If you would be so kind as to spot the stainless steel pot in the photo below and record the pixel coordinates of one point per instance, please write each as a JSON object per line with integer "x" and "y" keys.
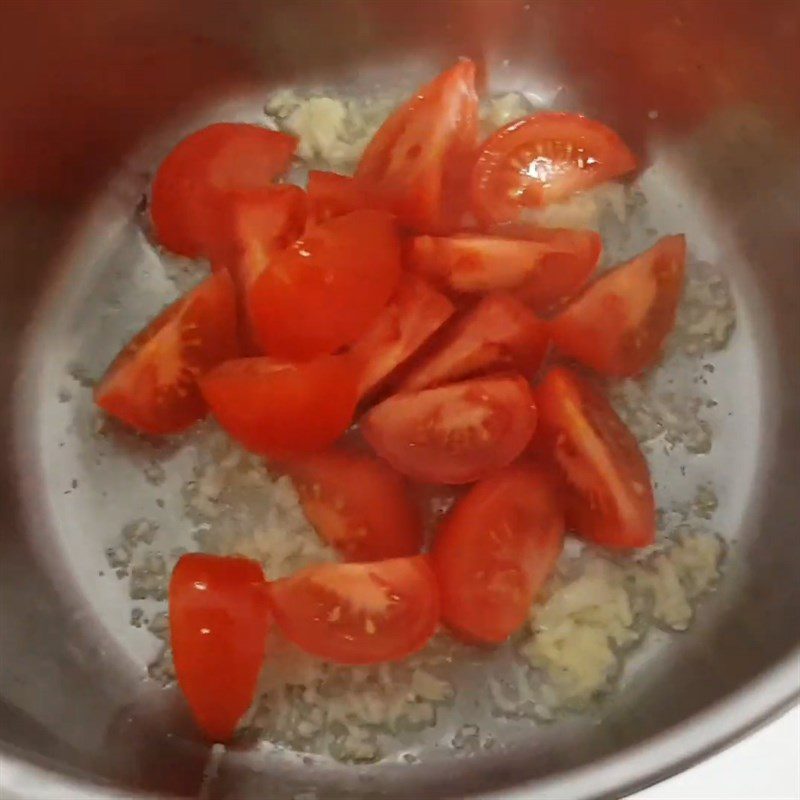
{"x": 85, "y": 81}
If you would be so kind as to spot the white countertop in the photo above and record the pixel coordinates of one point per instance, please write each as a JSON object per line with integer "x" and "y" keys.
{"x": 765, "y": 766}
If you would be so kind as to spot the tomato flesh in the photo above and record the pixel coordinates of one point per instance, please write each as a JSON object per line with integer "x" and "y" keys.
{"x": 495, "y": 550}
{"x": 191, "y": 186}
{"x": 453, "y": 434}
{"x": 499, "y": 333}
{"x": 541, "y": 266}
{"x": 359, "y": 613}
{"x": 618, "y": 326}
{"x": 324, "y": 291}
{"x": 152, "y": 384}
{"x": 542, "y": 159}
{"x": 332, "y": 195}
{"x": 414, "y": 314}
{"x": 219, "y": 616}
{"x": 281, "y": 409}
{"x": 418, "y": 161}
{"x": 358, "y": 504}
{"x": 610, "y": 496}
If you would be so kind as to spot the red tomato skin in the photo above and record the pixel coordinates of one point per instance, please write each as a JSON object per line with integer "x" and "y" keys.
{"x": 410, "y": 319}
{"x": 280, "y": 409}
{"x": 499, "y": 333}
{"x": 332, "y": 195}
{"x": 420, "y": 435}
{"x": 305, "y": 608}
{"x": 619, "y": 324}
{"x": 219, "y": 614}
{"x": 323, "y": 292}
{"x": 542, "y": 267}
{"x": 258, "y": 224}
{"x": 609, "y": 492}
{"x": 418, "y": 161}
{"x": 187, "y": 339}
{"x": 576, "y": 153}
{"x": 572, "y": 261}
{"x": 189, "y": 189}
{"x": 358, "y": 504}
{"x": 495, "y": 550}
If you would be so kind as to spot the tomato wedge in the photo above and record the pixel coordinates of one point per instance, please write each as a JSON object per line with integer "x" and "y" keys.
{"x": 495, "y": 550}
{"x": 332, "y": 195}
{"x": 619, "y": 324}
{"x": 219, "y": 617}
{"x": 453, "y": 434}
{"x": 261, "y": 223}
{"x": 190, "y": 186}
{"x": 359, "y": 613}
{"x": 324, "y": 291}
{"x": 542, "y": 159}
{"x": 499, "y": 333}
{"x": 610, "y": 497}
{"x": 542, "y": 266}
{"x": 358, "y": 504}
{"x": 415, "y": 313}
{"x": 152, "y": 384}
{"x": 281, "y": 409}
{"x": 418, "y": 161}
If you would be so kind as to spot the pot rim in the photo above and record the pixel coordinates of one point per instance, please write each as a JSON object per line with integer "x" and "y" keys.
{"x": 634, "y": 768}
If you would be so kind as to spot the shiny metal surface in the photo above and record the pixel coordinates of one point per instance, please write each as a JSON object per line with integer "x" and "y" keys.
{"x": 91, "y": 94}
